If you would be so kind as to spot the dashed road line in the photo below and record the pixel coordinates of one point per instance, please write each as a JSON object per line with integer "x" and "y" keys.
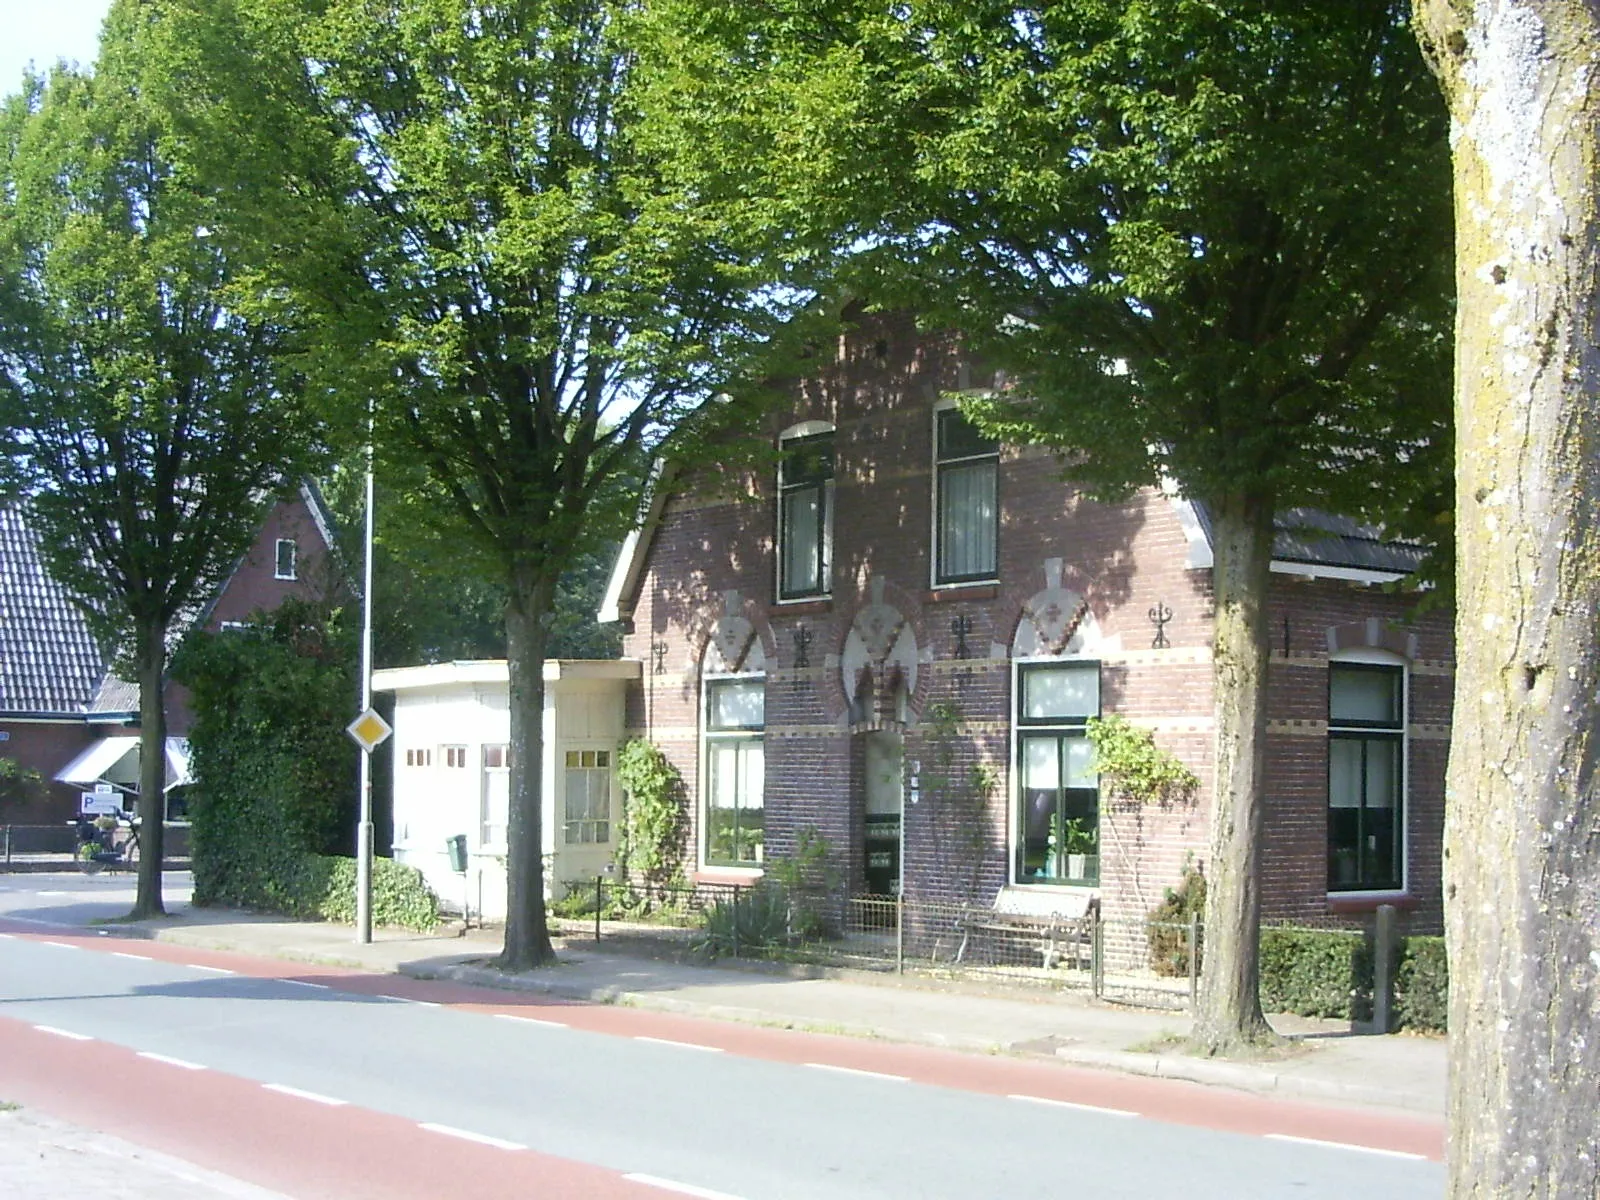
{"x": 466, "y": 1135}
{"x": 210, "y": 970}
{"x": 423, "y": 1003}
{"x": 1089, "y": 1108}
{"x": 681, "y": 1045}
{"x": 549, "y": 1024}
{"x": 816, "y": 1066}
{"x": 66, "y": 1033}
{"x": 322, "y": 987}
{"x": 59, "y": 945}
{"x": 1305, "y": 1141}
{"x": 170, "y": 1061}
{"x": 283, "y": 1089}
{"x": 125, "y": 954}
{"x": 683, "y": 1189}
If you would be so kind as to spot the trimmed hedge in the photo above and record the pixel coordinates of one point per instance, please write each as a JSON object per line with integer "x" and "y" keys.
{"x": 1422, "y": 985}
{"x": 1316, "y": 973}
{"x": 1322, "y": 973}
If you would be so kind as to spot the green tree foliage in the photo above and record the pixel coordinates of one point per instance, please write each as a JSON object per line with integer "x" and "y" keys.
{"x": 20, "y": 787}
{"x": 551, "y": 305}
{"x": 274, "y": 773}
{"x": 1207, "y": 242}
{"x": 153, "y": 386}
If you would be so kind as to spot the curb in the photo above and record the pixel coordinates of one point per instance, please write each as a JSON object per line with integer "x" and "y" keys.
{"x": 1243, "y": 1078}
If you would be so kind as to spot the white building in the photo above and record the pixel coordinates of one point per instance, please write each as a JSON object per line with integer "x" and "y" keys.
{"x": 452, "y": 760}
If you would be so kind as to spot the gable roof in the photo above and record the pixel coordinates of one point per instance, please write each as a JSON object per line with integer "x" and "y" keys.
{"x": 50, "y": 662}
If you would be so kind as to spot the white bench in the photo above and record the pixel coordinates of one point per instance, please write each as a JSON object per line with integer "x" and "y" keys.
{"x": 1060, "y": 920}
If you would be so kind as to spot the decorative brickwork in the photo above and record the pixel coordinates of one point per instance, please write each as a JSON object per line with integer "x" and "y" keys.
{"x": 1076, "y": 578}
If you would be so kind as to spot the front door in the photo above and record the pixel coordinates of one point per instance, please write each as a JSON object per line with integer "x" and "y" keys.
{"x": 885, "y": 758}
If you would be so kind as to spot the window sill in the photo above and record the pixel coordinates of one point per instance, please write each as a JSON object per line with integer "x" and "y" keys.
{"x": 734, "y": 875}
{"x": 964, "y": 591}
{"x": 1343, "y": 903}
{"x": 800, "y": 607}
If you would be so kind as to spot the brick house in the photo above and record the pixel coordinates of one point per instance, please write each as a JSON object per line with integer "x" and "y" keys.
{"x": 63, "y": 710}
{"x": 836, "y": 644}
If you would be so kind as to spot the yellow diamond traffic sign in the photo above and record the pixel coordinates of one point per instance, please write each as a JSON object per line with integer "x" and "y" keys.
{"x": 369, "y": 730}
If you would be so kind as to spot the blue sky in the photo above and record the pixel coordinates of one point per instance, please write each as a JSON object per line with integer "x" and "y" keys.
{"x": 41, "y": 31}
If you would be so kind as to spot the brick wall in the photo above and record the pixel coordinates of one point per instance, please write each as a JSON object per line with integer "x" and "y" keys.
{"x": 1124, "y": 560}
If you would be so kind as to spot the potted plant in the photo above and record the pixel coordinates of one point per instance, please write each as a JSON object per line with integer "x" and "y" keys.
{"x": 1081, "y": 843}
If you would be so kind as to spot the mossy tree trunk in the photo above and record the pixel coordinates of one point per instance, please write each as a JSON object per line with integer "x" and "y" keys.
{"x": 151, "y": 653}
{"x": 1229, "y": 1016}
{"x": 527, "y": 937}
{"x": 1522, "y": 829}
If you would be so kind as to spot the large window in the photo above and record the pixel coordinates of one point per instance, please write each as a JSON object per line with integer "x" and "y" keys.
{"x": 967, "y": 513}
{"x": 805, "y": 516}
{"x": 735, "y": 769}
{"x": 1058, "y": 825}
{"x": 1366, "y": 777}
{"x": 588, "y": 807}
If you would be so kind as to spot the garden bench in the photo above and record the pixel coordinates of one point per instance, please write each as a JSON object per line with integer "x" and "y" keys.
{"x": 1059, "y": 921}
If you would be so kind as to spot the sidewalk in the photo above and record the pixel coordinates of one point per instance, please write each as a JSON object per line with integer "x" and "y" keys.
{"x": 1326, "y": 1063}
{"x": 44, "y": 1159}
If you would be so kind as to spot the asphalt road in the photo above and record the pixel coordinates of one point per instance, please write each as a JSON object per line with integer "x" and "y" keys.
{"x": 324, "y": 1082}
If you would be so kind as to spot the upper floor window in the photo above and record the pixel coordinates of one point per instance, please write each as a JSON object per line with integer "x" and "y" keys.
{"x": 1058, "y": 825}
{"x": 284, "y": 563}
{"x": 1366, "y": 777}
{"x": 805, "y": 516}
{"x": 966, "y": 518}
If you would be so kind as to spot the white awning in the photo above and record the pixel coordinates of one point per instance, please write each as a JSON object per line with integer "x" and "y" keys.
{"x": 116, "y": 760}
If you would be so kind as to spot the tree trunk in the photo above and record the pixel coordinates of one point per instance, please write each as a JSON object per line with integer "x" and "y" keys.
{"x": 1229, "y": 1014}
{"x": 527, "y": 940}
{"x": 151, "y": 652}
{"x": 1522, "y": 827}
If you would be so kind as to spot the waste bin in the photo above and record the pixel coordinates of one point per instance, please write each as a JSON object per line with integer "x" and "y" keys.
{"x": 458, "y": 853}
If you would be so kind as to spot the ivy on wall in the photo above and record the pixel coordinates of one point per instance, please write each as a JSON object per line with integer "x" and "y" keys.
{"x": 655, "y": 815}
{"x": 274, "y": 797}
{"x": 1138, "y": 768}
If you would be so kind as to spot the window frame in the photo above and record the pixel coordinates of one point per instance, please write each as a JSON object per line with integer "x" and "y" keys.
{"x": 1397, "y": 733}
{"x": 294, "y": 559}
{"x": 487, "y": 770}
{"x": 940, "y": 577}
{"x": 744, "y": 735}
{"x": 1060, "y": 729}
{"x": 605, "y": 765}
{"x": 789, "y": 441}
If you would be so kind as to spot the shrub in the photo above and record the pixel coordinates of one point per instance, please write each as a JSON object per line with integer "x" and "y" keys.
{"x": 1422, "y": 999}
{"x": 1316, "y": 973}
{"x": 754, "y": 920}
{"x": 1169, "y": 923}
{"x": 322, "y": 887}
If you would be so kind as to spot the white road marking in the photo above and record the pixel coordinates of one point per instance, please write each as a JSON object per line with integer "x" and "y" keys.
{"x": 212, "y": 970}
{"x": 535, "y": 1021}
{"x": 1305, "y": 1141}
{"x": 483, "y": 1139}
{"x": 59, "y": 945}
{"x": 52, "y": 893}
{"x": 315, "y": 1097}
{"x": 856, "y": 1071}
{"x": 170, "y": 1061}
{"x": 8, "y": 936}
{"x": 425, "y": 1003}
{"x": 66, "y": 1033}
{"x": 302, "y": 983}
{"x": 125, "y": 954}
{"x": 680, "y": 1045}
{"x": 1093, "y": 1108}
{"x": 683, "y": 1189}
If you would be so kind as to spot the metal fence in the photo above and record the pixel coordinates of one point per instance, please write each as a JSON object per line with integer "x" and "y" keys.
{"x": 1136, "y": 962}
{"x": 57, "y": 845}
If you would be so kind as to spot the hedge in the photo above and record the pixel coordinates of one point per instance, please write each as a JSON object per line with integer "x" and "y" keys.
{"x": 1320, "y": 973}
{"x": 323, "y": 887}
{"x": 1316, "y": 973}
{"x": 1422, "y": 999}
